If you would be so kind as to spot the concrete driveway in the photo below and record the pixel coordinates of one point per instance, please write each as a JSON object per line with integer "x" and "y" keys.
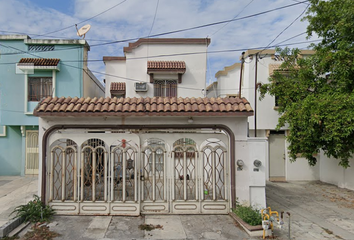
{"x": 172, "y": 227}
{"x": 317, "y": 210}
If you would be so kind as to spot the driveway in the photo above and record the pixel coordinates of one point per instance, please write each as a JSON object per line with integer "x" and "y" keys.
{"x": 317, "y": 210}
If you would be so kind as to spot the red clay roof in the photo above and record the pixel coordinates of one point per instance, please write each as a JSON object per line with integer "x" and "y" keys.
{"x": 166, "y": 66}
{"x": 40, "y": 61}
{"x": 158, "y": 106}
{"x": 117, "y": 86}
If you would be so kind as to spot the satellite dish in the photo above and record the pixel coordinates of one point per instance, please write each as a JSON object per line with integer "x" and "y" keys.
{"x": 83, "y": 30}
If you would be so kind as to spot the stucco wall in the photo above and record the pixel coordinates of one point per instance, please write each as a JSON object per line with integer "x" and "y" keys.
{"x": 10, "y": 153}
{"x": 250, "y": 185}
{"x": 331, "y": 172}
{"x": 134, "y": 69}
{"x": 12, "y": 83}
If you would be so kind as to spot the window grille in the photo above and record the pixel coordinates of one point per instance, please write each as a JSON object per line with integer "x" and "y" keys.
{"x": 39, "y": 88}
{"x": 165, "y": 88}
{"x": 40, "y": 48}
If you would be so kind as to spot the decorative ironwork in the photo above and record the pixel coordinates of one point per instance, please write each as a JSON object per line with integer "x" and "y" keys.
{"x": 94, "y": 171}
{"x": 184, "y": 168}
{"x": 63, "y": 167}
{"x": 220, "y": 155}
{"x": 207, "y": 174}
{"x": 214, "y": 172}
{"x": 40, "y": 48}
{"x": 117, "y": 161}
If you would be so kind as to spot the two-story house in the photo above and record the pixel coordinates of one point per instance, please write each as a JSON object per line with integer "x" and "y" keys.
{"x": 154, "y": 144}
{"x": 31, "y": 70}
{"x": 256, "y": 70}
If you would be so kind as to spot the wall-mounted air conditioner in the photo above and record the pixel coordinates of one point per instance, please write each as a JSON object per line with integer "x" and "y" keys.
{"x": 141, "y": 86}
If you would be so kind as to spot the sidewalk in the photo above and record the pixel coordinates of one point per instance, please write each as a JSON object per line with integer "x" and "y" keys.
{"x": 318, "y": 210}
{"x": 15, "y": 191}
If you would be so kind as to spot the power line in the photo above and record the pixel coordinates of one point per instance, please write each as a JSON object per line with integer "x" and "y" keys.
{"x": 187, "y": 29}
{"x": 84, "y": 20}
{"x": 291, "y": 38}
{"x": 178, "y": 54}
{"x": 233, "y": 18}
{"x": 204, "y": 25}
{"x": 286, "y": 28}
{"x": 153, "y": 21}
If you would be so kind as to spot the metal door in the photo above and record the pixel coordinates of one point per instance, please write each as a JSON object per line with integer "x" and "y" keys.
{"x": 32, "y": 154}
{"x": 185, "y": 191}
{"x": 214, "y": 179}
{"x": 124, "y": 198}
{"x": 153, "y": 179}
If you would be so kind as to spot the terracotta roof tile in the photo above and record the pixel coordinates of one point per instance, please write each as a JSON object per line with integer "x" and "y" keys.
{"x": 166, "y": 66}
{"x": 117, "y": 86}
{"x": 142, "y": 106}
{"x": 40, "y": 61}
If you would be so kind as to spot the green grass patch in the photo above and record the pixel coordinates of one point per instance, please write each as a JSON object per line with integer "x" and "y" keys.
{"x": 248, "y": 214}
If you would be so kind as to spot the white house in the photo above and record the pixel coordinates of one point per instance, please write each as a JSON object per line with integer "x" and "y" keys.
{"x": 265, "y": 118}
{"x": 155, "y": 144}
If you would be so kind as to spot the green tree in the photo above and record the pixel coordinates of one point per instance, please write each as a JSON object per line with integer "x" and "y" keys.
{"x": 315, "y": 94}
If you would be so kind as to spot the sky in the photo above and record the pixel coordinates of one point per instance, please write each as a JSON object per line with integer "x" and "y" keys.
{"x": 117, "y": 20}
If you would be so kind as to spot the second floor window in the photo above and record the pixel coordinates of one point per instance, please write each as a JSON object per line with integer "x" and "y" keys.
{"x": 165, "y": 88}
{"x": 39, "y": 88}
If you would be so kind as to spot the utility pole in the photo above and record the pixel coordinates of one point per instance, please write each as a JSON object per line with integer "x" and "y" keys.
{"x": 242, "y": 61}
{"x": 255, "y": 95}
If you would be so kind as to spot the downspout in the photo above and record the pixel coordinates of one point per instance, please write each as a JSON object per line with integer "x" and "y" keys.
{"x": 242, "y": 61}
{"x": 57, "y": 127}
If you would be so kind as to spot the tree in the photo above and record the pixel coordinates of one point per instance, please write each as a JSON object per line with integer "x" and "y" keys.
{"x": 315, "y": 94}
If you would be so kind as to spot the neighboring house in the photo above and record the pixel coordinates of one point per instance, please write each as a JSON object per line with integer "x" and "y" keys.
{"x": 265, "y": 119}
{"x": 154, "y": 144}
{"x": 33, "y": 69}
{"x": 161, "y": 67}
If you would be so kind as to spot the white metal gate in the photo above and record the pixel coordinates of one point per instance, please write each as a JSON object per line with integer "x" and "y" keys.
{"x": 119, "y": 179}
{"x": 32, "y": 155}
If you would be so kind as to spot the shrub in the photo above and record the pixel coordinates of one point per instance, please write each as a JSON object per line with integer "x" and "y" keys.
{"x": 249, "y": 214}
{"x": 34, "y": 211}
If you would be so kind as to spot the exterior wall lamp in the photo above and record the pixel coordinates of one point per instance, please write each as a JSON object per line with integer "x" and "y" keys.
{"x": 190, "y": 120}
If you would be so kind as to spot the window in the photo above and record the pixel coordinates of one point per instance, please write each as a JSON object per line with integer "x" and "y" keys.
{"x": 39, "y": 88}
{"x": 165, "y": 88}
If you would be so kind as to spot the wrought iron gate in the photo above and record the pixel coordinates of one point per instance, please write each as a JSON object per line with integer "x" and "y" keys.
{"x": 32, "y": 154}
{"x": 96, "y": 178}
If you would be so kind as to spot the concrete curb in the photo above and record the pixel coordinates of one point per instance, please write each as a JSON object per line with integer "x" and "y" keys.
{"x": 253, "y": 231}
{"x": 10, "y": 226}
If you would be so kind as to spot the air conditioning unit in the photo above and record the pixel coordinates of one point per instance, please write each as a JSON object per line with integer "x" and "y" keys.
{"x": 141, "y": 86}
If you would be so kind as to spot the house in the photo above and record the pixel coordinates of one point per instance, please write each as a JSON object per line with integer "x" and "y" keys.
{"x": 33, "y": 69}
{"x": 264, "y": 121}
{"x": 154, "y": 144}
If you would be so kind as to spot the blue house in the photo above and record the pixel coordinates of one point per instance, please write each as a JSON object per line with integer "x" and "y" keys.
{"x": 30, "y": 70}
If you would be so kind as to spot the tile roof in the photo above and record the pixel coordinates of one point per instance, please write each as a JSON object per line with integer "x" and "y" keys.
{"x": 158, "y": 106}
{"x": 117, "y": 86}
{"x": 175, "y": 66}
{"x": 40, "y": 61}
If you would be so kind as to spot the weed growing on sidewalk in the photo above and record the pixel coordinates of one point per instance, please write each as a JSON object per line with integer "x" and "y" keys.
{"x": 40, "y": 232}
{"x": 34, "y": 211}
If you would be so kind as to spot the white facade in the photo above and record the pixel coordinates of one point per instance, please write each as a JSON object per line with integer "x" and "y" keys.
{"x": 132, "y": 68}
{"x": 245, "y": 183}
{"x": 279, "y": 166}
{"x": 249, "y": 181}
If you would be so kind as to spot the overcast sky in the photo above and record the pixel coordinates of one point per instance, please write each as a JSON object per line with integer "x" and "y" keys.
{"x": 128, "y": 19}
